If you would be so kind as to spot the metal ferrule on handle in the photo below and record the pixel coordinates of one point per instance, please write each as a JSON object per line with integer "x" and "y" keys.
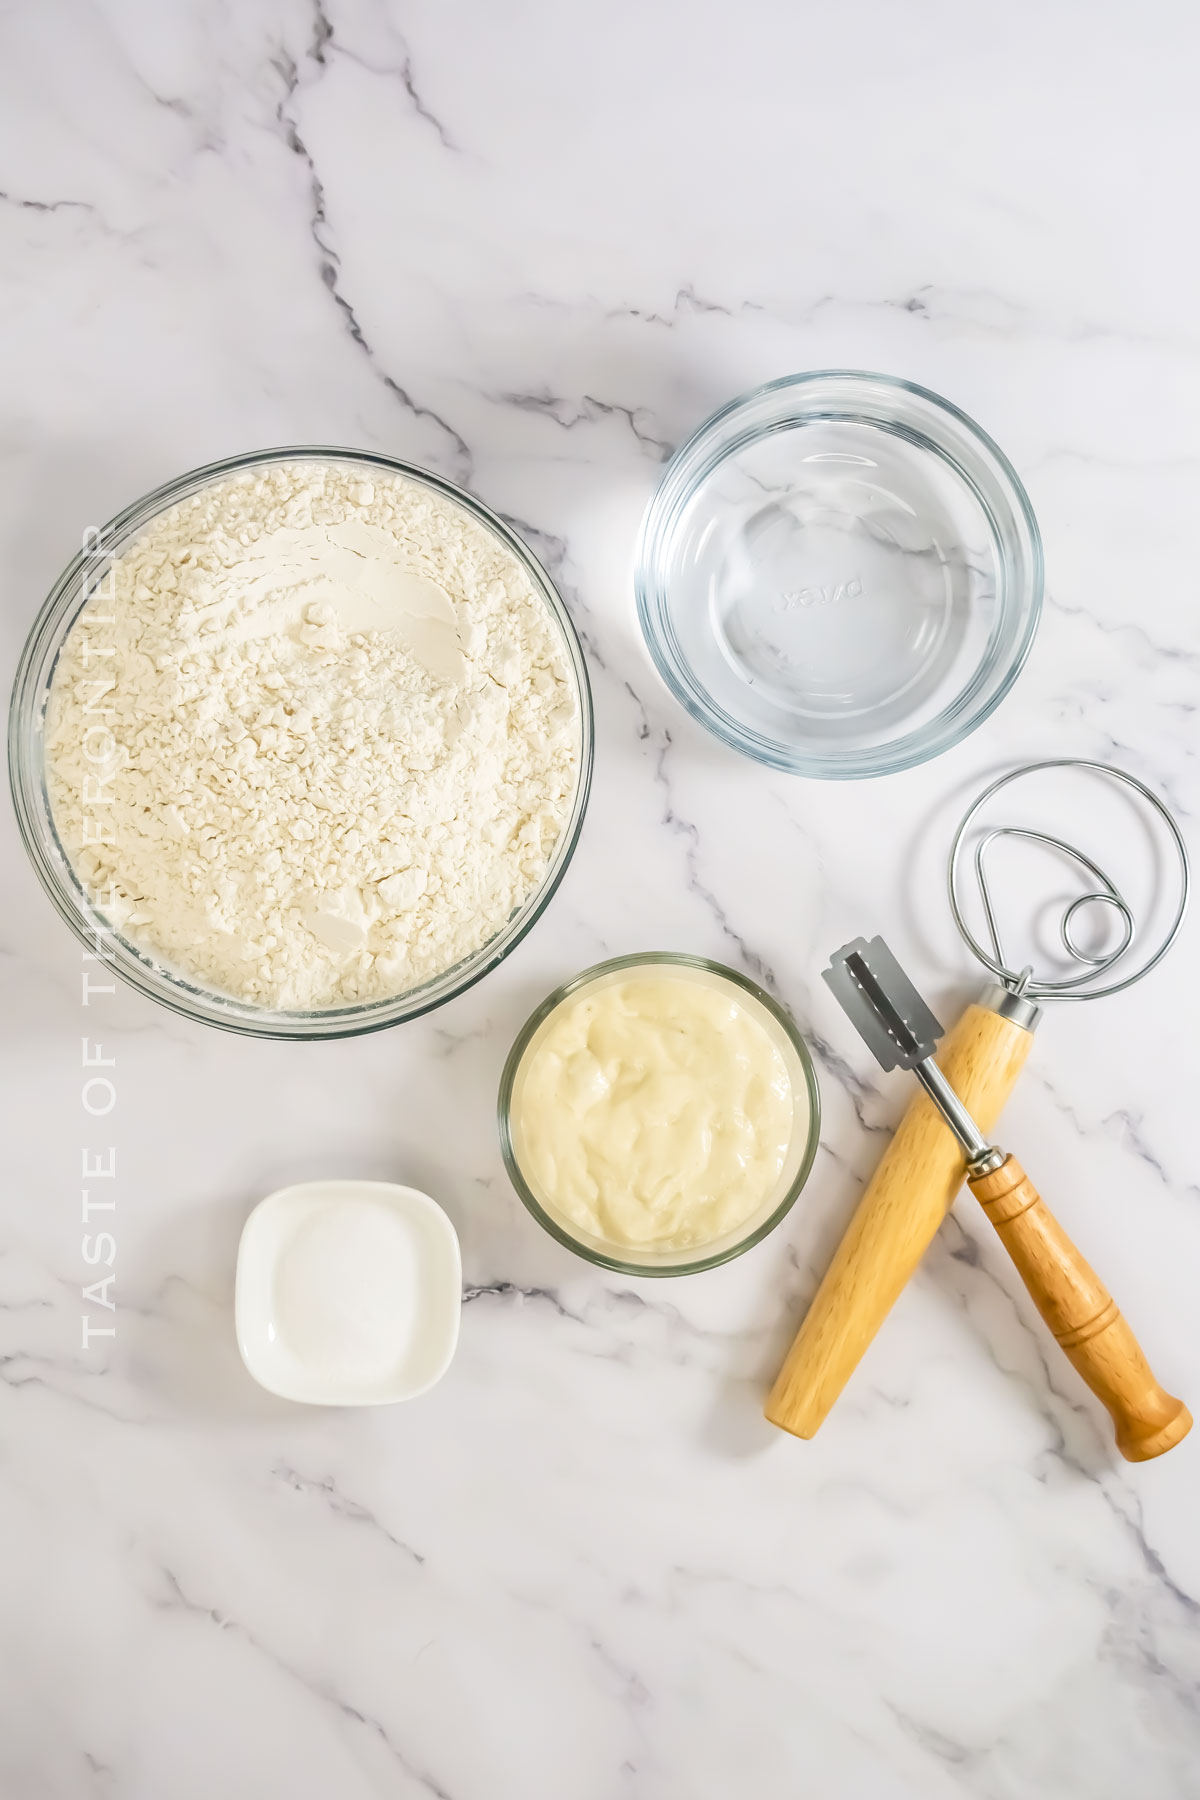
{"x": 976, "y": 1148}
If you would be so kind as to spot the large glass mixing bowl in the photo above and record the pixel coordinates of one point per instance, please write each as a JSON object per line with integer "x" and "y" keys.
{"x": 840, "y": 574}
{"x": 26, "y": 761}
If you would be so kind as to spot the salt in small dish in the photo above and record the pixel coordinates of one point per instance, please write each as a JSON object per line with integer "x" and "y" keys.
{"x": 348, "y": 1293}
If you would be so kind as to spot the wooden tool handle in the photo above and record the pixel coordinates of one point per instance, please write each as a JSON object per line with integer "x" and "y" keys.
{"x": 904, "y": 1203}
{"x": 1082, "y": 1314}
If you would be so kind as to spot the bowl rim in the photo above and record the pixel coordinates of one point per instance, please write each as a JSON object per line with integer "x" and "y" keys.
{"x": 956, "y": 720}
{"x": 26, "y": 767}
{"x": 671, "y": 959}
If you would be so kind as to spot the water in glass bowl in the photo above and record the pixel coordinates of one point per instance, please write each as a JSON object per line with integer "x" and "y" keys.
{"x": 833, "y": 581}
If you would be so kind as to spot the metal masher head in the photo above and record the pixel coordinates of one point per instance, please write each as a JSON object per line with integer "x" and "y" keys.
{"x": 901, "y": 1033}
{"x": 882, "y": 1004}
{"x": 1096, "y": 974}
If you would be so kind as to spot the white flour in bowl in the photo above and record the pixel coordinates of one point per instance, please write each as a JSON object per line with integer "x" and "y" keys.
{"x": 315, "y": 738}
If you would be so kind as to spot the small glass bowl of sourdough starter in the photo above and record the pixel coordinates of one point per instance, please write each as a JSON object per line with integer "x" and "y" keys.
{"x": 659, "y": 1114}
{"x": 840, "y": 575}
{"x": 308, "y": 735}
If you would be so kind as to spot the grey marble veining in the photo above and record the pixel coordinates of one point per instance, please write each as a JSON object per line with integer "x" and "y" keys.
{"x": 532, "y": 246}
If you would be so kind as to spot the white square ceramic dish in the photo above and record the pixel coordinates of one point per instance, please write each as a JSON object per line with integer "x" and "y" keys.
{"x": 348, "y": 1293}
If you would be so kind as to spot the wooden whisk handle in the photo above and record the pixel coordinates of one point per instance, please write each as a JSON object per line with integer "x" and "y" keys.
{"x": 1082, "y": 1314}
{"x": 901, "y": 1207}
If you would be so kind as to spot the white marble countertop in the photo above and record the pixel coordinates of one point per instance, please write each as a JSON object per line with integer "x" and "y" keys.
{"x": 532, "y": 246}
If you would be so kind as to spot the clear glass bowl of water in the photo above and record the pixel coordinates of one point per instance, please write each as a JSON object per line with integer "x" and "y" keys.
{"x": 840, "y": 574}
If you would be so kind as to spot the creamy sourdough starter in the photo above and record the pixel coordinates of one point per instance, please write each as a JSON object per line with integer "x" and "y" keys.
{"x": 315, "y": 737}
{"x": 655, "y": 1109}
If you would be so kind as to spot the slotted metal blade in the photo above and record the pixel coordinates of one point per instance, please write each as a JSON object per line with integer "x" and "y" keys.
{"x": 882, "y": 1004}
